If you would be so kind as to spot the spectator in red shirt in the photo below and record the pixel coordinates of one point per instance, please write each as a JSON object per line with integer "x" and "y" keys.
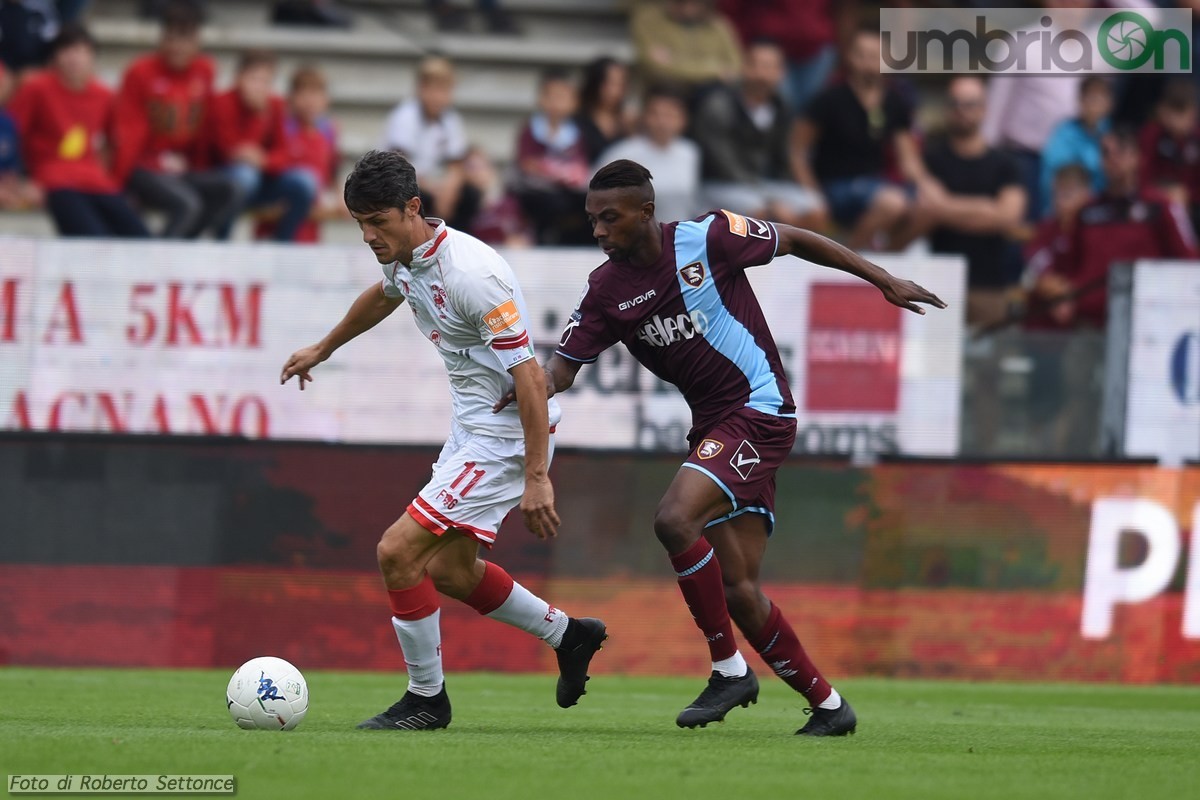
{"x": 309, "y": 147}
{"x": 1170, "y": 144}
{"x": 1124, "y": 223}
{"x": 247, "y": 140}
{"x": 63, "y": 115}
{"x": 160, "y": 114}
{"x": 1049, "y": 293}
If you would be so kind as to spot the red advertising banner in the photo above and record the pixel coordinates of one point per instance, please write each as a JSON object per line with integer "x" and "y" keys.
{"x": 205, "y": 553}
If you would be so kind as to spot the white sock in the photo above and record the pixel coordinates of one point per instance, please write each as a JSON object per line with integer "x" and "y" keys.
{"x": 833, "y": 701}
{"x": 525, "y": 610}
{"x": 732, "y": 667}
{"x": 421, "y": 641}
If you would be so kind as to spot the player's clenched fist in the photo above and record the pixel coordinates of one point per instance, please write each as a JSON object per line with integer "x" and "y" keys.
{"x": 537, "y": 506}
{"x": 301, "y": 362}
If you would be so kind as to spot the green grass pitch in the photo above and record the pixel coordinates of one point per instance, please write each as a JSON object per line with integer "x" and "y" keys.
{"x": 916, "y": 739}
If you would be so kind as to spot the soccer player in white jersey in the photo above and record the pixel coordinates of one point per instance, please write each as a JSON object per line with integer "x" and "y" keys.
{"x": 466, "y": 301}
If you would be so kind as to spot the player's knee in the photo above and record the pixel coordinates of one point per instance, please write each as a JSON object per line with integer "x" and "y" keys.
{"x": 675, "y": 531}
{"x": 396, "y": 562}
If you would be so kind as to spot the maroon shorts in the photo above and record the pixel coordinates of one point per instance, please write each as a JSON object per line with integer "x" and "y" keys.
{"x": 741, "y": 453}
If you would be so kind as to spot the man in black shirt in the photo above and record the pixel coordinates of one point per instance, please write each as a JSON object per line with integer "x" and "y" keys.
{"x": 842, "y": 144}
{"x": 971, "y": 202}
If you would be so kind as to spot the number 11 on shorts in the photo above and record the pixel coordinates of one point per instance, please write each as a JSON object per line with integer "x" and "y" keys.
{"x": 467, "y": 468}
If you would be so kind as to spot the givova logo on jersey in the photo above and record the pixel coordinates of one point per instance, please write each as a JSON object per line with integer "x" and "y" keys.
{"x": 660, "y": 331}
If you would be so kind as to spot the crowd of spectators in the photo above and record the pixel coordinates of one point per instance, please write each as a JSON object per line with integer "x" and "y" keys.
{"x": 773, "y": 108}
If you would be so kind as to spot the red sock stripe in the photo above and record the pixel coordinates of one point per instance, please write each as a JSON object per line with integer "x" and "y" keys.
{"x": 416, "y": 603}
{"x": 493, "y": 589}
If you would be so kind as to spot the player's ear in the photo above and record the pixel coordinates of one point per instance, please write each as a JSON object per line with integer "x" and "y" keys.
{"x": 413, "y": 207}
{"x": 647, "y": 211}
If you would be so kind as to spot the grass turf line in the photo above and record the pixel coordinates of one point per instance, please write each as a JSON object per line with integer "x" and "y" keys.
{"x": 916, "y": 739}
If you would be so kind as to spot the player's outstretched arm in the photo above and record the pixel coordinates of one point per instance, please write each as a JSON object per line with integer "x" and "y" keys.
{"x": 827, "y": 253}
{"x": 537, "y": 504}
{"x": 560, "y": 376}
{"x": 368, "y": 310}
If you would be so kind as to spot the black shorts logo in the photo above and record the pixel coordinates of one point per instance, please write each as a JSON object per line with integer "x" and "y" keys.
{"x": 744, "y": 459}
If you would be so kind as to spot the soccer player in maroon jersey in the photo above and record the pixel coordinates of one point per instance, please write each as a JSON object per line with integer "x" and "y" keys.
{"x": 676, "y": 294}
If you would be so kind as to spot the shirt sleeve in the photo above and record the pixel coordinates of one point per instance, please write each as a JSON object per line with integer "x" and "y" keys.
{"x": 588, "y": 332}
{"x": 491, "y": 303}
{"x": 744, "y": 241}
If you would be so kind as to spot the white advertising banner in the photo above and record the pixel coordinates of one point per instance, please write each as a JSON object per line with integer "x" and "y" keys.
{"x": 189, "y": 338}
{"x": 1162, "y": 413}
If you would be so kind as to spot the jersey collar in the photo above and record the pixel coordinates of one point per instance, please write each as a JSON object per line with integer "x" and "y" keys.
{"x": 426, "y": 254}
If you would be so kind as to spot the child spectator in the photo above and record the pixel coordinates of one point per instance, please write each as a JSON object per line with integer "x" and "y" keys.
{"x": 17, "y": 192}
{"x": 309, "y": 149}
{"x": 1124, "y": 223}
{"x": 552, "y": 166}
{"x": 430, "y": 133}
{"x": 246, "y": 138}
{"x": 1077, "y": 140}
{"x": 603, "y": 117}
{"x": 160, "y": 116}
{"x": 63, "y": 115}
{"x": 1048, "y": 302}
{"x": 1170, "y": 146}
{"x": 661, "y": 148}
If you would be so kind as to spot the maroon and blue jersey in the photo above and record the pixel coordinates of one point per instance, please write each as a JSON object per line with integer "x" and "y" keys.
{"x": 691, "y": 318}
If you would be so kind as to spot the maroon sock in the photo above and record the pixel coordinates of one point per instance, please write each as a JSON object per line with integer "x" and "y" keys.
{"x": 699, "y": 575}
{"x": 779, "y": 647}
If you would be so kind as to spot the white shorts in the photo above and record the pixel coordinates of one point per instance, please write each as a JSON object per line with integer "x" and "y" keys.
{"x": 476, "y": 481}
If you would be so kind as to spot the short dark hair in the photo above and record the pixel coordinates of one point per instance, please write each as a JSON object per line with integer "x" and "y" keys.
{"x": 665, "y": 91}
{"x": 1090, "y": 82}
{"x": 181, "y": 16}
{"x": 553, "y": 75}
{"x": 380, "y": 180}
{"x": 620, "y": 174}
{"x": 71, "y": 34}
{"x": 1124, "y": 135}
{"x": 256, "y": 58}
{"x": 1073, "y": 172}
{"x": 763, "y": 41}
{"x": 1179, "y": 95}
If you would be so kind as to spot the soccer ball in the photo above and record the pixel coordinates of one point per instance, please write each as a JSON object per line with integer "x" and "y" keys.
{"x": 267, "y": 693}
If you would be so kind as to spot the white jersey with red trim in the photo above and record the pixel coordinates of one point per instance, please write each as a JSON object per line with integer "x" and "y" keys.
{"x": 466, "y": 300}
